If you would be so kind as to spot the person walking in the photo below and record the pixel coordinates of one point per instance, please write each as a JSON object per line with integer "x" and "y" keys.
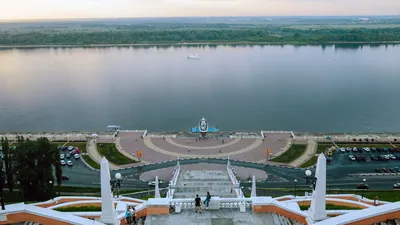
{"x": 133, "y": 213}
{"x": 128, "y": 216}
{"x": 208, "y": 198}
{"x": 197, "y": 202}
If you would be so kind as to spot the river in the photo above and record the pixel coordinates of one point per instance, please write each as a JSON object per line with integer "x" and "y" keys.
{"x": 241, "y": 88}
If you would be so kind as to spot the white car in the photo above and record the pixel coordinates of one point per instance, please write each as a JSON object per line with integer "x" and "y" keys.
{"x": 62, "y": 156}
{"x": 352, "y": 158}
{"x": 355, "y": 149}
{"x": 367, "y": 149}
{"x": 396, "y": 185}
{"x": 63, "y": 163}
{"x": 76, "y": 156}
{"x": 342, "y": 149}
{"x": 70, "y": 148}
{"x": 391, "y": 156}
{"x": 153, "y": 183}
{"x": 69, "y": 163}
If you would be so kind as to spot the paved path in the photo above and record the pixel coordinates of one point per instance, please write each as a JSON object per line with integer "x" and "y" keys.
{"x": 149, "y": 144}
{"x": 310, "y": 151}
{"x": 169, "y": 140}
{"x": 122, "y": 151}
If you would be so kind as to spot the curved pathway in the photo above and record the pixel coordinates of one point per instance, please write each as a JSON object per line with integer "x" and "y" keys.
{"x": 169, "y": 140}
{"x": 310, "y": 151}
{"x": 150, "y": 144}
{"x": 93, "y": 153}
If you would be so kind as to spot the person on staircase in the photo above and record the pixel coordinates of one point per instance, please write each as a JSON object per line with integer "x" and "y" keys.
{"x": 208, "y": 199}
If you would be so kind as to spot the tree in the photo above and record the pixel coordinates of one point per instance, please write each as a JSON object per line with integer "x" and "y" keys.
{"x": 7, "y": 157}
{"x": 34, "y": 163}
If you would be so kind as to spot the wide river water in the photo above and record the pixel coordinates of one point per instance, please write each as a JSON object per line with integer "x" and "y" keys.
{"x": 242, "y": 88}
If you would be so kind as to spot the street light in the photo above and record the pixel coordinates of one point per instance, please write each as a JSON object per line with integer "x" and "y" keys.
{"x": 312, "y": 181}
{"x": 116, "y": 184}
{"x": 295, "y": 186}
{"x": 363, "y": 188}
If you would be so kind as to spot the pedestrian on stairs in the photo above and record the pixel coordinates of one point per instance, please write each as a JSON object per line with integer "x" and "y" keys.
{"x": 208, "y": 198}
{"x": 128, "y": 216}
{"x": 197, "y": 202}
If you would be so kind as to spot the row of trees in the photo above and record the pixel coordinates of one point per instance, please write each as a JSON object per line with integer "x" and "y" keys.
{"x": 229, "y": 35}
{"x": 30, "y": 167}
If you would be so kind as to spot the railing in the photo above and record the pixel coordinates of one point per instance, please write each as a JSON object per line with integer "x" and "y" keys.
{"x": 235, "y": 182}
{"x": 227, "y": 203}
{"x": 174, "y": 181}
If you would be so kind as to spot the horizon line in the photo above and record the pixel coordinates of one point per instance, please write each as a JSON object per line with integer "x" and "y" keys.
{"x": 182, "y": 17}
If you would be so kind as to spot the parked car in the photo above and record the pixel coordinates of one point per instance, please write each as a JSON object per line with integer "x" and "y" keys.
{"x": 379, "y": 149}
{"x": 70, "y": 148}
{"x": 367, "y": 149}
{"x": 396, "y": 185}
{"x": 396, "y": 169}
{"x": 153, "y": 183}
{"x": 342, "y": 149}
{"x": 358, "y": 158}
{"x": 355, "y": 149}
{"x": 72, "y": 152}
{"x": 363, "y": 158}
{"x": 76, "y": 156}
{"x": 390, "y": 170}
{"x": 391, "y": 156}
{"x": 377, "y": 170}
{"x": 348, "y": 149}
{"x": 68, "y": 156}
{"x": 62, "y": 156}
{"x": 352, "y": 158}
{"x": 386, "y": 149}
{"x": 373, "y": 149}
{"x": 64, "y": 148}
{"x": 362, "y": 186}
{"x": 374, "y": 158}
{"x": 69, "y": 163}
{"x": 64, "y": 177}
{"x": 63, "y": 163}
{"x": 385, "y": 170}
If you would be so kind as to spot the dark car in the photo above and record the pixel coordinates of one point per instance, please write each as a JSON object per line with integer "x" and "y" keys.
{"x": 391, "y": 149}
{"x": 64, "y": 178}
{"x": 373, "y": 149}
{"x": 377, "y": 170}
{"x": 396, "y": 169}
{"x": 363, "y": 158}
{"x": 374, "y": 158}
{"x": 379, "y": 149}
{"x": 358, "y": 158}
{"x": 385, "y": 170}
{"x": 390, "y": 170}
{"x": 64, "y": 148}
{"x": 362, "y": 186}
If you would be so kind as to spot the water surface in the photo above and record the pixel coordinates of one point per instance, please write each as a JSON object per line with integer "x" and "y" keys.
{"x": 308, "y": 88}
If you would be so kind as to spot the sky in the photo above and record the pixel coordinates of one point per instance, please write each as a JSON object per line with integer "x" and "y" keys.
{"x": 62, "y": 9}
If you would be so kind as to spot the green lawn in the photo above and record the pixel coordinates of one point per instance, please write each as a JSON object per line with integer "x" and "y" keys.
{"x": 79, "y": 209}
{"x": 364, "y": 145}
{"x": 310, "y": 162}
{"x": 383, "y": 195}
{"x": 112, "y": 154}
{"x": 332, "y": 207}
{"x": 91, "y": 162}
{"x": 294, "y": 152}
{"x": 322, "y": 147}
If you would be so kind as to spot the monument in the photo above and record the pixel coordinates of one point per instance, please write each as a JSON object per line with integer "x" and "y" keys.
{"x": 317, "y": 211}
{"x": 108, "y": 214}
{"x": 253, "y": 187}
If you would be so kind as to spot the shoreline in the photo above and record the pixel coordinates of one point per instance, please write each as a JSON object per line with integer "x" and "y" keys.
{"x": 184, "y": 44}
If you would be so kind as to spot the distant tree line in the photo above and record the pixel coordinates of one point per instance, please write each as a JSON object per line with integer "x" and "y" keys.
{"x": 32, "y": 167}
{"x": 272, "y": 35}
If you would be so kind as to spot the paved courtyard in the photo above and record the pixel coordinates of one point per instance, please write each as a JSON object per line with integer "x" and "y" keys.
{"x": 157, "y": 149}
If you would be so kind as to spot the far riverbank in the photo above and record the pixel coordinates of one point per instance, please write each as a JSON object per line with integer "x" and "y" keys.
{"x": 184, "y": 44}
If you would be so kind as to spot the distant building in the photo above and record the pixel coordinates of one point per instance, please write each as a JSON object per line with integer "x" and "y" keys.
{"x": 363, "y": 19}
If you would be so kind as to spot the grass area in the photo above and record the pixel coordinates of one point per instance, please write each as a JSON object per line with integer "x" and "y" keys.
{"x": 383, "y": 195}
{"x": 322, "y": 147}
{"x": 364, "y": 145}
{"x": 310, "y": 162}
{"x": 112, "y": 154}
{"x": 332, "y": 207}
{"x": 151, "y": 196}
{"x": 80, "y": 145}
{"x": 294, "y": 152}
{"x": 79, "y": 209}
{"x": 91, "y": 162}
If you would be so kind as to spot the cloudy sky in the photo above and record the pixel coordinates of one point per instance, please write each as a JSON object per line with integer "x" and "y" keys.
{"x": 50, "y": 9}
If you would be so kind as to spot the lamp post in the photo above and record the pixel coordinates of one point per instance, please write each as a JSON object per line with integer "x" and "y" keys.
{"x": 363, "y": 188}
{"x": 312, "y": 181}
{"x": 50, "y": 184}
{"x": 116, "y": 184}
{"x": 295, "y": 186}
